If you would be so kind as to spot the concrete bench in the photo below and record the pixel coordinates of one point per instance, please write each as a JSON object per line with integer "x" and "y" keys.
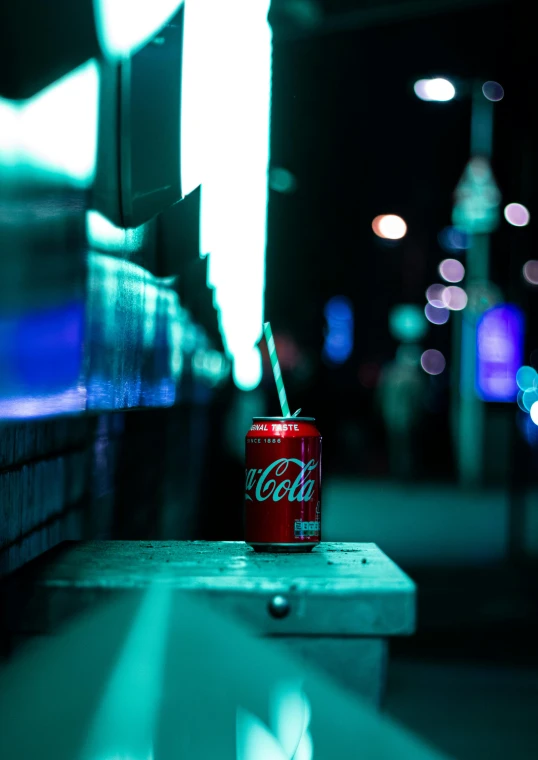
{"x": 335, "y": 607}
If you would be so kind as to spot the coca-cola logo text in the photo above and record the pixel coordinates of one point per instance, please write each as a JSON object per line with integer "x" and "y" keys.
{"x": 266, "y": 485}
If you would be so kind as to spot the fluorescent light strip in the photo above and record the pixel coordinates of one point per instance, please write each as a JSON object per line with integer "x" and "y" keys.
{"x": 55, "y": 131}
{"x": 124, "y": 26}
{"x": 226, "y": 97}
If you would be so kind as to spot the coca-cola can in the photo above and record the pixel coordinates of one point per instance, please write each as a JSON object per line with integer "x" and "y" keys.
{"x": 283, "y": 484}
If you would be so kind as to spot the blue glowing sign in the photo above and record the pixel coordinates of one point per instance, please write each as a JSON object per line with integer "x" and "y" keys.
{"x": 499, "y": 352}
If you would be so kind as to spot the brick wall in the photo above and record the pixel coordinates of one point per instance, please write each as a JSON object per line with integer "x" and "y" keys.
{"x": 53, "y": 484}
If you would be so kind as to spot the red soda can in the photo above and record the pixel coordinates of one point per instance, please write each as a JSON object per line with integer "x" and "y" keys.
{"x": 283, "y": 484}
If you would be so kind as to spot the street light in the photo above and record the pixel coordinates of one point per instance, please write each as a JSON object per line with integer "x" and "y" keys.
{"x": 438, "y": 89}
{"x": 476, "y": 212}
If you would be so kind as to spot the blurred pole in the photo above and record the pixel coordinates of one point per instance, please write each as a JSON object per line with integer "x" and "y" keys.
{"x": 471, "y": 410}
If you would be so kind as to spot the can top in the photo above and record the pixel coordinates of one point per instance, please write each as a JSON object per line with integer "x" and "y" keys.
{"x": 286, "y": 419}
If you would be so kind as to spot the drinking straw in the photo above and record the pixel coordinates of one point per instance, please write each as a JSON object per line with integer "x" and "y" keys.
{"x": 276, "y": 369}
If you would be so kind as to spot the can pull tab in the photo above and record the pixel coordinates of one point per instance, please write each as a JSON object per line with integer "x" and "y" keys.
{"x": 296, "y": 413}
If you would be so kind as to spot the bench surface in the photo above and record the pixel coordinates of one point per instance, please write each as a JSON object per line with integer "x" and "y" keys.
{"x": 337, "y": 589}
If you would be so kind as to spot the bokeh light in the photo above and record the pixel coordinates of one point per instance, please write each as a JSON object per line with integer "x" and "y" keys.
{"x": 482, "y": 295}
{"x": 434, "y": 294}
{"x": 525, "y": 377}
{"x": 499, "y": 352}
{"x": 534, "y": 412}
{"x": 517, "y": 214}
{"x": 454, "y": 298}
{"x": 432, "y": 361}
{"x": 493, "y": 91}
{"x": 453, "y": 240}
{"x": 281, "y": 180}
{"x": 436, "y": 315}
{"x": 438, "y": 89}
{"x": 529, "y": 398}
{"x": 389, "y": 226}
{"x": 338, "y": 308}
{"x": 407, "y": 323}
{"x": 530, "y": 271}
{"x": 339, "y": 332}
{"x": 452, "y": 270}
{"x": 520, "y": 402}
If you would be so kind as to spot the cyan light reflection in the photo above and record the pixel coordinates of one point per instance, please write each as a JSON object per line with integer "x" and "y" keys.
{"x": 281, "y": 180}
{"x": 126, "y": 718}
{"x": 530, "y": 397}
{"x": 210, "y": 365}
{"x": 526, "y": 377}
{"x": 407, "y": 323}
{"x": 288, "y": 734}
{"x": 105, "y": 236}
{"x": 126, "y": 300}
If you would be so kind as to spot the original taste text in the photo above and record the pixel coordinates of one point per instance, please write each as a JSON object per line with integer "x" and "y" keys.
{"x": 276, "y": 427}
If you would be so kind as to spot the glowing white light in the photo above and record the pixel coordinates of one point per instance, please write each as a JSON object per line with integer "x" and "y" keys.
{"x": 124, "y": 26}
{"x": 247, "y": 369}
{"x": 517, "y": 214}
{"x": 55, "y": 131}
{"x": 103, "y": 235}
{"x": 437, "y": 89}
{"x": 389, "y": 226}
{"x": 225, "y": 148}
{"x": 534, "y": 412}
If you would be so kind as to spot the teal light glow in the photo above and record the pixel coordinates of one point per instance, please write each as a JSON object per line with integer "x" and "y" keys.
{"x": 105, "y": 236}
{"x": 287, "y": 734}
{"x": 126, "y": 718}
{"x": 526, "y": 377}
{"x": 407, "y": 323}
{"x": 529, "y": 398}
{"x": 225, "y": 148}
{"x": 247, "y": 369}
{"x": 55, "y": 131}
{"x": 124, "y": 26}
